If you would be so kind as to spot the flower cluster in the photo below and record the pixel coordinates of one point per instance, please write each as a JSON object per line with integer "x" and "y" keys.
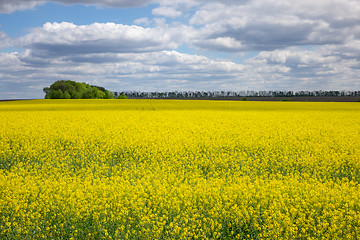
{"x": 150, "y": 169}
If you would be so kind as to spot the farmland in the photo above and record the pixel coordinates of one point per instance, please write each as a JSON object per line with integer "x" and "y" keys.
{"x": 160, "y": 169}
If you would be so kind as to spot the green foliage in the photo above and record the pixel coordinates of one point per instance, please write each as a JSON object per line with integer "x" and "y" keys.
{"x": 243, "y": 99}
{"x": 109, "y": 95}
{"x": 66, "y": 95}
{"x": 122, "y": 96}
{"x": 55, "y": 94}
{"x": 67, "y": 89}
{"x": 93, "y": 93}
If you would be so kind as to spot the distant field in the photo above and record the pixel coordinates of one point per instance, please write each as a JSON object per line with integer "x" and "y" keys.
{"x": 181, "y": 169}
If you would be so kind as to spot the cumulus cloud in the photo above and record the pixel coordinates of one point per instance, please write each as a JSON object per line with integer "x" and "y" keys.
{"x": 62, "y": 39}
{"x": 268, "y": 25}
{"x": 119, "y": 55}
{"x": 222, "y": 44}
{"x": 166, "y": 12}
{"x": 162, "y": 70}
{"x": 4, "y": 40}
{"x": 142, "y": 21}
{"x": 349, "y": 50}
{"x": 12, "y": 77}
{"x": 298, "y": 69}
{"x": 7, "y": 6}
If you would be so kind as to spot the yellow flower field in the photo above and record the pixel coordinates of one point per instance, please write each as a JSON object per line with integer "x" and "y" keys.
{"x": 172, "y": 169}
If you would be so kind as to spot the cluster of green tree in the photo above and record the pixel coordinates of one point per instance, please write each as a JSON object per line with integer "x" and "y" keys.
{"x": 67, "y": 89}
{"x": 120, "y": 95}
{"x": 240, "y": 94}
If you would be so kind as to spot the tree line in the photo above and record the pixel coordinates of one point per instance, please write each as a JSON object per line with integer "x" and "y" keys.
{"x": 67, "y": 89}
{"x": 236, "y": 94}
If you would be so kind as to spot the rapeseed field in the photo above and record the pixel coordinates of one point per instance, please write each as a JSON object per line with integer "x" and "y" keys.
{"x": 172, "y": 169}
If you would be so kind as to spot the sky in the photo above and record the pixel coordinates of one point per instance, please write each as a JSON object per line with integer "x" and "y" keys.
{"x": 174, "y": 45}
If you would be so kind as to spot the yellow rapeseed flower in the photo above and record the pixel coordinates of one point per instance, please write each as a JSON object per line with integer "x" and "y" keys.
{"x": 150, "y": 169}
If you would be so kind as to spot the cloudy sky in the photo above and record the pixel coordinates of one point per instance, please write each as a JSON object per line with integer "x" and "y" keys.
{"x": 167, "y": 45}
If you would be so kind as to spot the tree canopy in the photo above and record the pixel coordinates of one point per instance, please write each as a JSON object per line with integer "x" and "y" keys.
{"x": 67, "y": 89}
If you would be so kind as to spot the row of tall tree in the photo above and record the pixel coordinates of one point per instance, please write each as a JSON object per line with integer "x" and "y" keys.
{"x": 225, "y": 94}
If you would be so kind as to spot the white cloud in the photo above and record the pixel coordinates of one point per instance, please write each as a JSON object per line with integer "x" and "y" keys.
{"x": 142, "y": 21}
{"x": 4, "y": 40}
{"x": 24, "y": 74}
{"x": 14, "y": 82}
{"x": 295, "y": 57}
{"x": 298, "y": 69}
{"x": 7, "y": 6}
{"x": 225, "y": 44}
{"x": 163, "y": 70}
{"x": 166, "y": 12}
{"x": 349, "y": 50}
{"x": 63, "y": 39}
{"x": 268, "y": 25}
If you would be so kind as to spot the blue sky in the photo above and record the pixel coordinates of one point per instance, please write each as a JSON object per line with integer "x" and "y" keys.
{"x": 163, "y": 45}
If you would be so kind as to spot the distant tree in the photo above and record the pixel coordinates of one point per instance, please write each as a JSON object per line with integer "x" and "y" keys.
{"x": 55, "y": 94}
{"x": 122, "y": 96}
{"x": 46, "y": 90}
{"x": 108, "y": 95}
{"x": 240, "y": 94}
{"x": 93, "y": 93}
